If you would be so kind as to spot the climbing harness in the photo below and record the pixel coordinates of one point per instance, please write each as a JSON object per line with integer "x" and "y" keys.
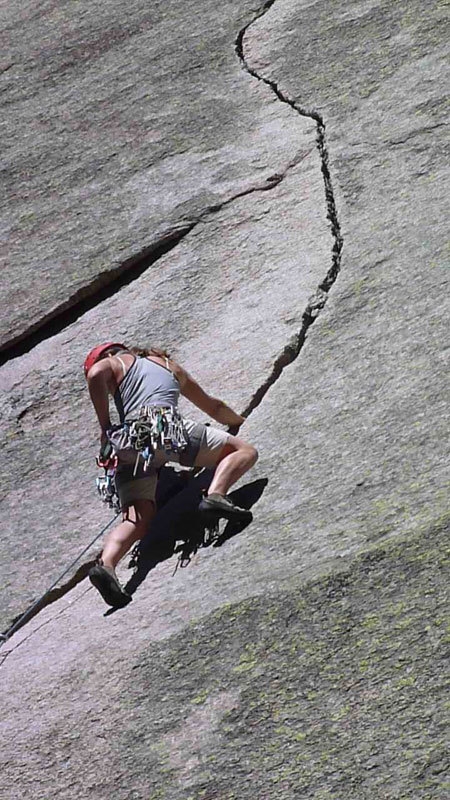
{"x": 156, "y": 428}
{"x": 29, "y": 612}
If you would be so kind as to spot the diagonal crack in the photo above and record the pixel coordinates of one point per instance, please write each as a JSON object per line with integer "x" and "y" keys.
{"x": 109, "y": 282}
{"x": 51, "y": 596}
{"x": 103, "y": 286}
{"x": 132, "y": 269}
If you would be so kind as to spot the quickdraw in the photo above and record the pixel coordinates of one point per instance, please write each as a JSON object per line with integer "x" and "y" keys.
{"x": 106, "y": 487}
{"x": 106, "y": 484}
{"x": 156, "y": 429}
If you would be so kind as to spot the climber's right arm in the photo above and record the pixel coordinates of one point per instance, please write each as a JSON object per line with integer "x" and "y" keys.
{"x": 100, "y": 380}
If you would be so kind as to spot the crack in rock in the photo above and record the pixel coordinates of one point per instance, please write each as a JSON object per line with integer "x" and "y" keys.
{"x": 53, "y": 326}
{"x": 103, "y": 286}
{"x": 419, "y": 132}
{"x": 317, "y": 301}
{"x": 47, "y": 599}
{"x": 133, "y": 268}
{"x": 110, "y": 282}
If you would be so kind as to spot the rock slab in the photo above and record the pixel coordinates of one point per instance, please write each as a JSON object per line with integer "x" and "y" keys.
{"x": 249, "y": 647}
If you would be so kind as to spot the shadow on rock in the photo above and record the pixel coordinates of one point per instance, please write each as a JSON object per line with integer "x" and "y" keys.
{"x": 179, "y": 528}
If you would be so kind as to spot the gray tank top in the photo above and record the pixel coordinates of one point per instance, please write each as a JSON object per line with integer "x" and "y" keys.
{"x": 145, "y": 384}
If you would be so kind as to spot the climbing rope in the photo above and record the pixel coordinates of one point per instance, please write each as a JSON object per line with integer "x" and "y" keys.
{"x": 157, "y": 427}
{"x": 29, "y": 612}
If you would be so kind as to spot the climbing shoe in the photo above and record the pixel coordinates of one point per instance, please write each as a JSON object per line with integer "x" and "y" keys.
{"x": 105, "y": 581}
{"x": 222, "y": 506}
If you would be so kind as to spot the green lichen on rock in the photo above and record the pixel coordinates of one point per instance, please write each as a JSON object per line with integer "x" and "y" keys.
{"x": 339, "y": 688}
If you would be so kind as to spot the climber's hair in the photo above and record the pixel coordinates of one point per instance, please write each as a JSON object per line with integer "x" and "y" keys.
{"x": 141, "y": 352}
{"x": 149, "y": 351}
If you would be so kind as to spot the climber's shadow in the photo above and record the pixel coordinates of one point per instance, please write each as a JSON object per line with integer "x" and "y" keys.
{"x": 179, "y": 528}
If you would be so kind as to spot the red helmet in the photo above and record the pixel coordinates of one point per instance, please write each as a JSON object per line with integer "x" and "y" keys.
{"x": 96, "y": 352}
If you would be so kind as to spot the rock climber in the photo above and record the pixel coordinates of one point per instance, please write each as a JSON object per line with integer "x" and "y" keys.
{"x": 138, "y": 379}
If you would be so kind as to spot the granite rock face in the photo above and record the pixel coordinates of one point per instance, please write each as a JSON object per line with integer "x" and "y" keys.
{"x": 121, "y": 124}
{"x": 352, "y": 433}
{"x": 373, "y": 417}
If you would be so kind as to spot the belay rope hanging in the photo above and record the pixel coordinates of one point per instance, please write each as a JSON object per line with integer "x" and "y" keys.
{"x": 29, "y": 612}
{"x": 155, "y": 429}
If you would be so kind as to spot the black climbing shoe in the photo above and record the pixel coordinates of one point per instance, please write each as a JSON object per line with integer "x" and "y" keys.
{"x": 105, "y": 581}
{"x": 223, "y": 507}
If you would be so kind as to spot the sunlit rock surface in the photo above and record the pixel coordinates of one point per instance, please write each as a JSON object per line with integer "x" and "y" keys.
{"x": 248, "y": 674}
{"x": 120, "y": 123}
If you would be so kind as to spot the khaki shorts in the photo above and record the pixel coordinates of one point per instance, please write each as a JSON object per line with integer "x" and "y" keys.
{"x": 142, "y": 486}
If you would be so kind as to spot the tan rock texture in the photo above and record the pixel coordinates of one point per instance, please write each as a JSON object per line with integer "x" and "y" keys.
{"x": 125, "y": 123}
{"x": 215, "y": 158}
